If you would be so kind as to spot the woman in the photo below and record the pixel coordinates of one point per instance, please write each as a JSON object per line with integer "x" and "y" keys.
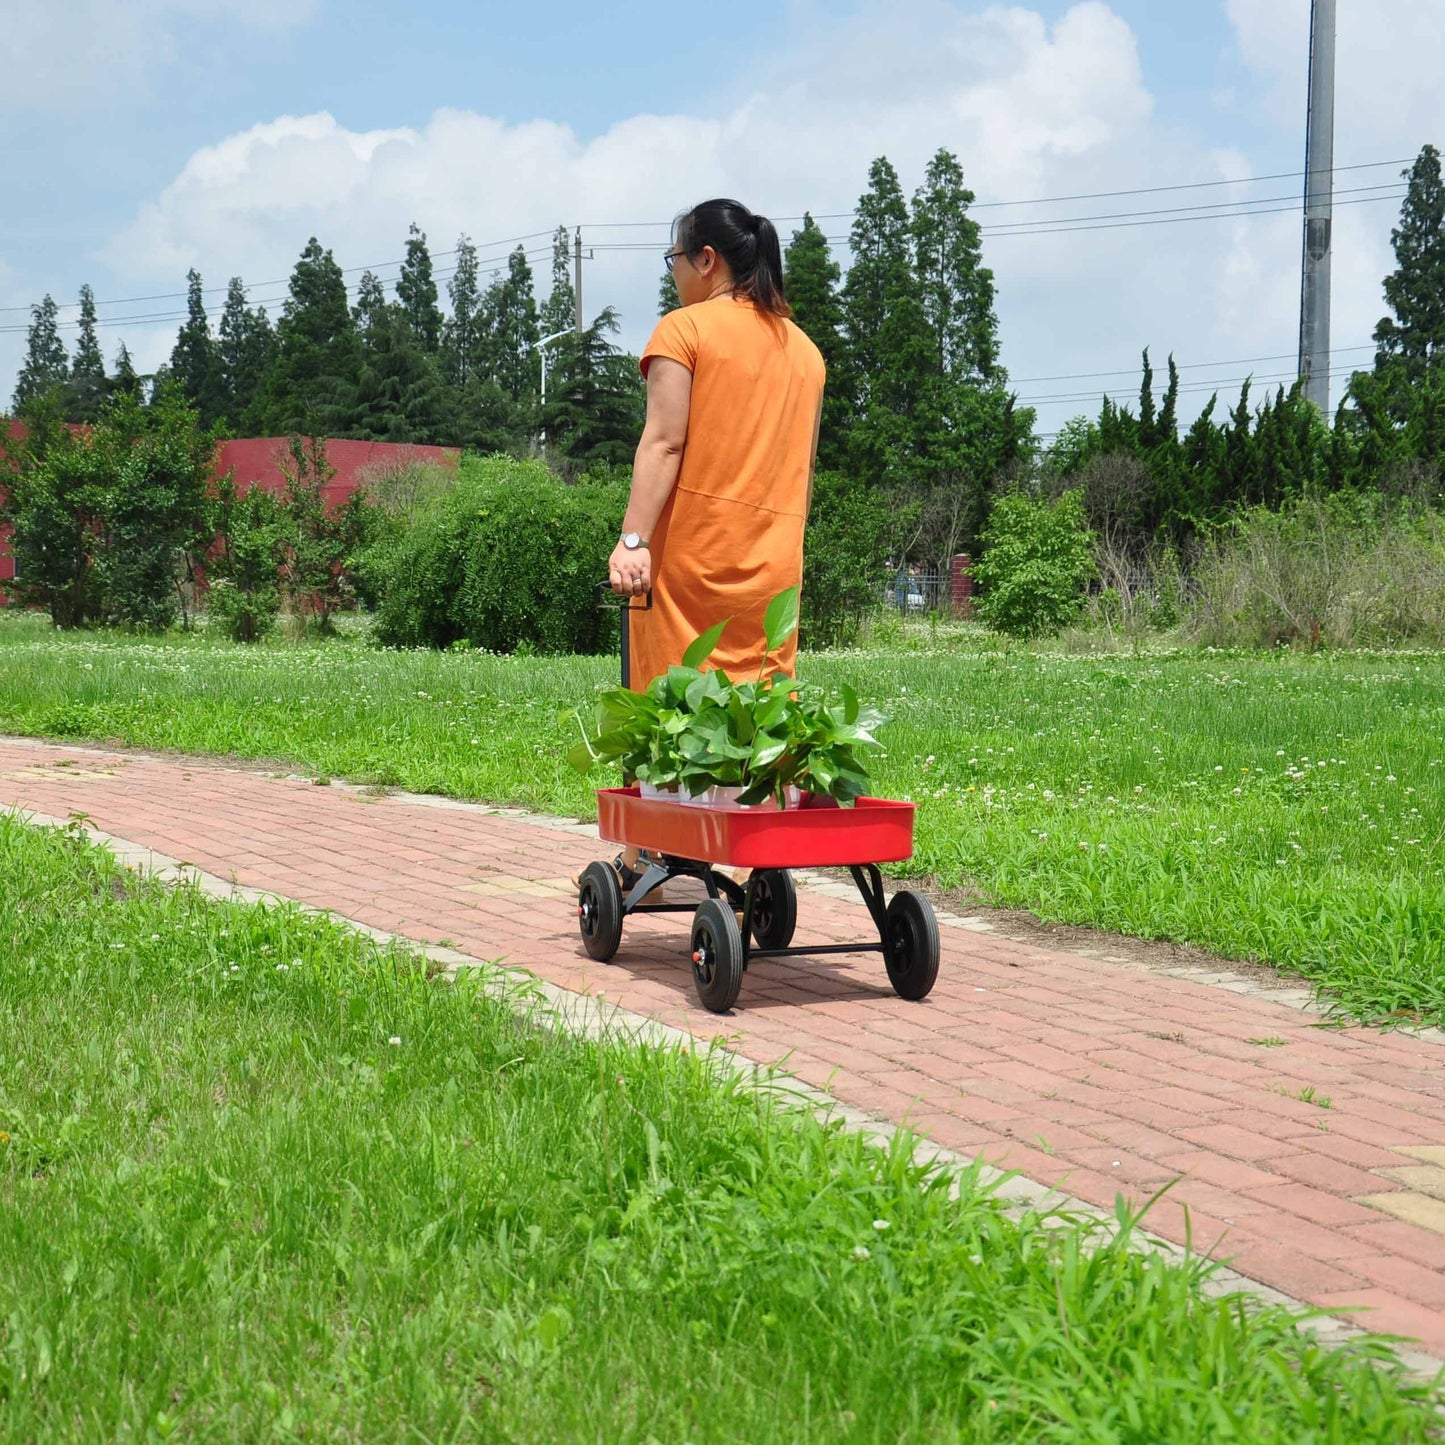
{"x": 723, "y": 474}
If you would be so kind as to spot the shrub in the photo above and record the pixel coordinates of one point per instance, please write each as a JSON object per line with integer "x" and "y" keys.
{"x": 845, "y": 551}
{"x": 1038, "y": 557}
{"x": 1348, "y": 570}
{"x": 245, "y": 572}
{"x": 509, "y": 559}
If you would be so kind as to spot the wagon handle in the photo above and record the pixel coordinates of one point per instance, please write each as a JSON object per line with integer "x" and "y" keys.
{"x": 606, "y": 597}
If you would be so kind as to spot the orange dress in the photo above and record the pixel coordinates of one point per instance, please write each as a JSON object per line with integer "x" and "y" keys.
{"x": 730, "y": 537}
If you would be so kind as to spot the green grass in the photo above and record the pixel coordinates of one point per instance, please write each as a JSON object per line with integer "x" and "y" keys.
{"x": 261, "y": 1180}
{"x": 1284, "y": 808}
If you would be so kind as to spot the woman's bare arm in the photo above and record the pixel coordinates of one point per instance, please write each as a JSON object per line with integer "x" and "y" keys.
{"x": 654, "y": 470}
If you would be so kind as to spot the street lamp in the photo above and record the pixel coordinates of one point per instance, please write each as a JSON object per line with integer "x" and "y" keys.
{"x": 538, "y": 347}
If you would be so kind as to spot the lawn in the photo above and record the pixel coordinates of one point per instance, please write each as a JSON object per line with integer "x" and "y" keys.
{"x": 262, "y": 1180}
{"x": 1286, "y": 808}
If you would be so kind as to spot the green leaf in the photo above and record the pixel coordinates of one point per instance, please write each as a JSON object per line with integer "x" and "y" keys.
{"x": 767, "y": 749}
{"x": 702, "y": 646}
{"x": 780, "y": 621}
{"x": 581, "y": 758}
{"x": 850, "y": 703}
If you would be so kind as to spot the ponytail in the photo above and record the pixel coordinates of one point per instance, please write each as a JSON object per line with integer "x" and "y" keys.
{"x": 746, "y": 241}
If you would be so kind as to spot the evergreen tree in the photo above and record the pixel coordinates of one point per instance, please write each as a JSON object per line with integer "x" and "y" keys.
{"x": 1412, "y": 339}
{"x": 559, "y": 311}
{"x": 400, "y": 393}
{"x": 460, "y": 333}
{"x": 312, "y": 385}
{"x": 956, "y": 287}
{"x": 87, "y": 372}
{"x": 194, "y": 363}
{"x": 125, "y": 382}
{"x": 810, "y": 281}
{"x": 46, "y": 367}
{"x": 245, "y": 350}
{"x": 887, "y": 332}
{"x": 596, "y": 402}
{"x": 416, "y": 291}
{"x": 370, "y": 311}
{"x": 667, "y": 297}
{"x": 509, "y": 330}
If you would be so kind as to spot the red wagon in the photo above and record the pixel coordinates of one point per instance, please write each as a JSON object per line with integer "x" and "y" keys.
{"x": 816, "y": 834}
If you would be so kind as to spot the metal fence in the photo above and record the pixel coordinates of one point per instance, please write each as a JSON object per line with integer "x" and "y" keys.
{"x": 916, "y": 590}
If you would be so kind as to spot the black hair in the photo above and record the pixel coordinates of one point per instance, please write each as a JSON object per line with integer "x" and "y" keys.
{"x": 746, "y": 241}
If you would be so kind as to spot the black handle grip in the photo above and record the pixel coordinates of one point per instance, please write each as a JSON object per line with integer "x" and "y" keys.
{"x": 606, "y": 597}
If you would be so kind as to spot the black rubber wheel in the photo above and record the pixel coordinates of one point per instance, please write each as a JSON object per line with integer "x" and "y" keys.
{"x": 599, "y": 911}
{"x": 775, "y": 907}
{"x": 911, "y": 945}
{"x": 717, "y": 955}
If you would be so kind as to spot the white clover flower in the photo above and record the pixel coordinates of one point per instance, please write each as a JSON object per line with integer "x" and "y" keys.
{"x": 394, "y": 1041}
{"x": 881, "y": 1224}
{"x": 861, "y": 1251}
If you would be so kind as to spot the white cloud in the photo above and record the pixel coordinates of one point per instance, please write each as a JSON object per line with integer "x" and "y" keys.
{"x": 57, "y": 53}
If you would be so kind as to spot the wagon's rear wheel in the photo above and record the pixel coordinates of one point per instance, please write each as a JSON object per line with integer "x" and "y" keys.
{"x": 599, "y": 911}
{"x": 717, "y": 955}
{"x": 910, "y": 945}
{"x": 774, "y": 907}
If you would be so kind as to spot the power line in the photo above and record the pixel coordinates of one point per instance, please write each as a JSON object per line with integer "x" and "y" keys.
{"x": 1137, "y": 369}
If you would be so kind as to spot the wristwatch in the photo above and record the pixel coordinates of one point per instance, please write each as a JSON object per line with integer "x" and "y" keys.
{"x": 633, "y": 541}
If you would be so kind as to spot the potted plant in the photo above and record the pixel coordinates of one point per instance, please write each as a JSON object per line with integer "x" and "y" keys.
{"x": 769, "y": 742}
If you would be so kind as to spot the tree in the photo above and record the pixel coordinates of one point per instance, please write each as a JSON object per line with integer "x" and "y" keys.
{"x": 667, "y": 297}
{"x": 416, "y": 292}
{"x": 460, "y": 332}
{"x": 810, "y": 281}
{"x": 245, "y": 571}
{"x": 312, "y": 384}
{"x": 46, "y": 366}
{"x": 559, "y": 311}
{"x": 1412, "y": 339}
{"x": 509, "y": 330}
{"x": 125, "y": 382}
{"x": 956, "y": 288}
{"x": 322, "y": 542}
{"x": 595, "y": 399}
{"x": 370, "y": 311}
{"x": 245, "y": 351}
{"x": 400, "y": 393}
{"x": 886, "y": 329}
{"x": 87, "y": 371}
{"x": 195, "y": 366}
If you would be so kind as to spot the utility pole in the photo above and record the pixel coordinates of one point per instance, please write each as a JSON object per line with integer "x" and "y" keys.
{"x": 1314, "y": 317}
{"x": 577, "y": 283}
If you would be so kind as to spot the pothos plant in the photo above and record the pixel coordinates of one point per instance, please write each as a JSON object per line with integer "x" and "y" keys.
{"x": 694, "y": 729}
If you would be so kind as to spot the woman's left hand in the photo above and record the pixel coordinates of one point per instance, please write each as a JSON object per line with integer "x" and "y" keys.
{"x": 629, "y": 569}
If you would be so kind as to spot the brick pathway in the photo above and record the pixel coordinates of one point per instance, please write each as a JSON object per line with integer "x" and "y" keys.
{"x": 1078, "y": 1072}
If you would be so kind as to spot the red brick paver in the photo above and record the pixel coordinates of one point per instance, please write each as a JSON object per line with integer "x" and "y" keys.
{"x": 1088, "y": 1075}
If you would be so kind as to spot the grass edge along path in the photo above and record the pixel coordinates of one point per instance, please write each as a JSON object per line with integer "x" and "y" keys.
{"x": 1279, "y": 809}
{"x": 265, "y": 1178}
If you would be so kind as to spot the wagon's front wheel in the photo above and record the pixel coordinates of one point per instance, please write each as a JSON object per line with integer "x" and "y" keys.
{"x": 717, "y": 955}
{"x": 774, "y": 907}
{"x": 910, "y": 945}
{"x": 599, "y": 911}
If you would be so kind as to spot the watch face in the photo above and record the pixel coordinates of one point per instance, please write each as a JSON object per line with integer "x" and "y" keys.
{"x": 631, "y": 540}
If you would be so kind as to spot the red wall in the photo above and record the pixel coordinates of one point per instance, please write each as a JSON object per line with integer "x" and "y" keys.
{"x": 256, "y": 460}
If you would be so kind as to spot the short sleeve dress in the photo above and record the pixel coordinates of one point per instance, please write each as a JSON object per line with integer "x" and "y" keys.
{"x": 730, "y": 537}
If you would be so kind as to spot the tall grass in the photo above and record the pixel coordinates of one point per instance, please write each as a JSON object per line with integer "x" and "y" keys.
{"x": 1282, "y": 807}
{"x": 260, "y": 1180}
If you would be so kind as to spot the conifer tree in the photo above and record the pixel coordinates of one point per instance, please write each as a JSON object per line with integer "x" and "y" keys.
{"x": 810, "y": 281}
{"x": 312, "y": 384}
{"x": 1411, "y": 339}
{"x": 194, "y": 365}
{"x": 87, "y": 372}
{"x": 46, "y": 367}
{"x": 416, "y": 292}
{"x": 559, "y": 311}
{"x": 459, "y": 334}
{"x": 245, "y": 350}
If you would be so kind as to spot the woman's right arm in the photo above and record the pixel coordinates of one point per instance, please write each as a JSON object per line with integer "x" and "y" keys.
{"x": 654, "y": 470}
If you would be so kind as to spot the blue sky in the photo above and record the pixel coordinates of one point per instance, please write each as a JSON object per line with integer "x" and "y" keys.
{"x": 145, "y": 137}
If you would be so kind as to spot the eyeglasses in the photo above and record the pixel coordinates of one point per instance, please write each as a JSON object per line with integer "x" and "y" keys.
{"x": 669, "y": 258}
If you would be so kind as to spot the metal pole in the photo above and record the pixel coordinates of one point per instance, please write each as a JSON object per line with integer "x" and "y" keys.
{"x": 542, "y": 352}
{"x": 577, "y": 282}
{"x": 1314, "y": 326}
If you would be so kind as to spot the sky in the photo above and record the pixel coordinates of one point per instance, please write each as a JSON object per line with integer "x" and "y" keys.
{"x": 146, "y": 137}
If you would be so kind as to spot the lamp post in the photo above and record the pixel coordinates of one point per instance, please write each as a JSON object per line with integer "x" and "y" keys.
{"x": 538, "y": 346}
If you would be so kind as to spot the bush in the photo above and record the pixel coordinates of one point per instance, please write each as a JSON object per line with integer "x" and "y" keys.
{"x": 845, "y": 551}
{"x": 508, "y": 560}
{"x": 245, "y": 573}
{"x": 1038, "y": 556}
{"x": 1351, "y": 570}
